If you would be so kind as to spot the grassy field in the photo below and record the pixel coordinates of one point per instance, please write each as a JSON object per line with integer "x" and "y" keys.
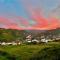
{"x": 24, "y": 52}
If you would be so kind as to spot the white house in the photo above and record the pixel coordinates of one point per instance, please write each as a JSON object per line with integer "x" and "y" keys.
{"x": 10, "y": 43}
{"x": 3, "y": 43}
{"x": 19, "y": 43}
{"x": 44, "y": 40}
{"x": 14, "y": 43}
{"x": 28, "y": 39}
{"x": 35, "y": 40}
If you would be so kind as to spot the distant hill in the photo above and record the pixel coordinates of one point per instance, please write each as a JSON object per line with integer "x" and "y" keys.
{"x": 57, "y": 30}
{"x": 13, "y": 35}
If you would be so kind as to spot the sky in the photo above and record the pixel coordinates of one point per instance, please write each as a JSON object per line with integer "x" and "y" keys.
{"x": 29, "y": 14}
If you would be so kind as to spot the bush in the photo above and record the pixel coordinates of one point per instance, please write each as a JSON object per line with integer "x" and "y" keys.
{"x": 34, "y": 42}
{"x": 7, "y": 56}
{"x": 51, "y": 53}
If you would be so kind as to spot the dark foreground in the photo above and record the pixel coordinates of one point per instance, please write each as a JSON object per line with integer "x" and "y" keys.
{"x": 50, "y": 51}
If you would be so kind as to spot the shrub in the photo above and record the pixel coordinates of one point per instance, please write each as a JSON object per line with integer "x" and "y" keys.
{"x": 6, "y": 56}
{"x": 34, "y": 42}
{"x": 51, "y": 53}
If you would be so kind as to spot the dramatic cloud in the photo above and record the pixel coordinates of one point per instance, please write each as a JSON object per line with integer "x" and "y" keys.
{"x": 35, "y": 18}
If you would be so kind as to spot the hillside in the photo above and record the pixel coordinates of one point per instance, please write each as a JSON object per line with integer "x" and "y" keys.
{"x": 13, "y": 35}
{"x": 48, "y": 51}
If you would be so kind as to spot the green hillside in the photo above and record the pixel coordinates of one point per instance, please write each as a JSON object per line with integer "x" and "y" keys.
{"x": 10, "y": 35}
{"x": 13, "y": 35}
{"x": 50, "y": 51}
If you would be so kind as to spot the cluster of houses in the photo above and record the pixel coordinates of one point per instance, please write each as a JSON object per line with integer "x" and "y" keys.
{"x": 10, "y": 43}
{"x": 30, "y": 40}
{"x": 43, "y": 39}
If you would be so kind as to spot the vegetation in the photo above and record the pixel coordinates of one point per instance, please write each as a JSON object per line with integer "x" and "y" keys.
{"x": 50, "y": 51}
{"x": 11, "y": 35}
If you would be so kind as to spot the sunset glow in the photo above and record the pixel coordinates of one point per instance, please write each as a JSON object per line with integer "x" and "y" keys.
{"x": 34, "y": 18}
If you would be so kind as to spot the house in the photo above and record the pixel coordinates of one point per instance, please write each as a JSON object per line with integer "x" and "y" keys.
{"x": 19, "y": 43}
{"x": 3, "y": 43}
{"x": 44, "y": 40}
{"x": 35, "y": 40}
{"x": 14, "y": 43}
{"x": 28, "y": 39}
{"x": 10, "y": 43}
